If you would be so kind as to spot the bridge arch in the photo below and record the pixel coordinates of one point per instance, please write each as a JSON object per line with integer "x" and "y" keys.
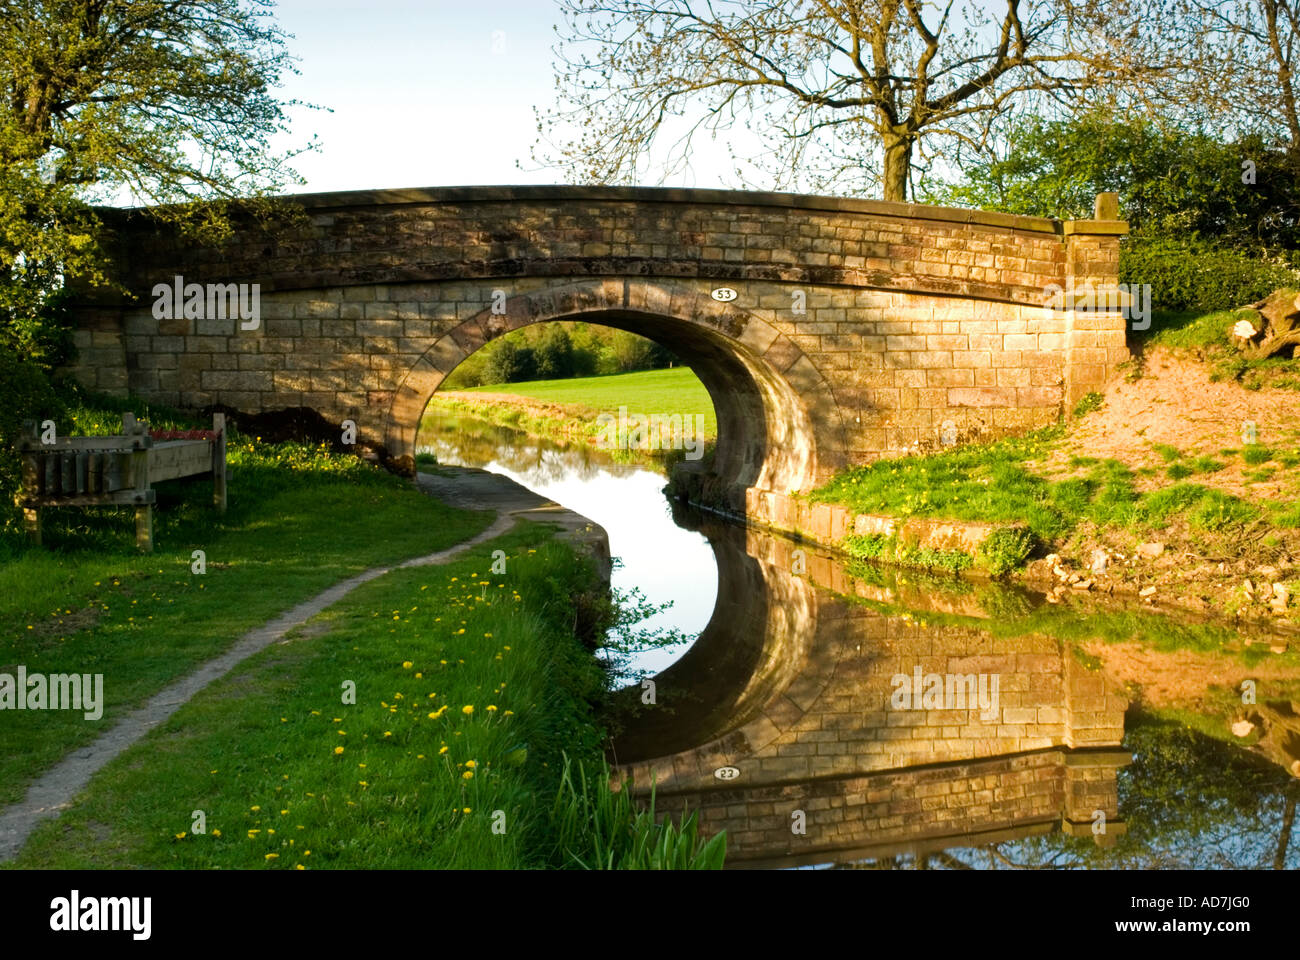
{"x": 778, "y": 423}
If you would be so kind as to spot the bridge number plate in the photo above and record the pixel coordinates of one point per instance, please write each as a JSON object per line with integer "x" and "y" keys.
{"x": 726, "y": 773}
{"x": 724, "y": 294}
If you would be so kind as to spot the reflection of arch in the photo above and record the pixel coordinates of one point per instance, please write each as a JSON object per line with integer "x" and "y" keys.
{"x": 765, "y": 658}
{"x": 778, "y": 425}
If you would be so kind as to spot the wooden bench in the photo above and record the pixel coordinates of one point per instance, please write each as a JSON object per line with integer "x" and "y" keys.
{"x": 117, "y": 471}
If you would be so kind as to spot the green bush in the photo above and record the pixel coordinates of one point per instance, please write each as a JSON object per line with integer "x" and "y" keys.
{"x": 554, "y": 352}
{"x": 1006, "y": 549}
{"x": 1191, "y": 274}
{"x": 509, "y": 363}
{"x": 25, "y": 394}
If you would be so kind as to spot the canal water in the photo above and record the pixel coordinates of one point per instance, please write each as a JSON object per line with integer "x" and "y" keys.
{"x": 832, "y": 714}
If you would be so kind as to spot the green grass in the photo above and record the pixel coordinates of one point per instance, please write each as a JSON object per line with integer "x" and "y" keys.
{"x": 1088, "y": 403}
{"x": 581, "y": 403}
{"x": 648, "y": 392}
{"x": 471, "y": 688}
{"x": 676, "y": 390}
{"x": 1181, "y": 469}
{"x": 890, "y": 550}
{"x": 300, "y": 519}
{"x": 987, "y": 482}
{"x": 1194, "y": 330}
{"x": 996, "y": 483}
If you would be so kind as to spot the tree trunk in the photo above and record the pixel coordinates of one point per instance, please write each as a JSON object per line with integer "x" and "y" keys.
{"x": 1278, "y": 329}
{"x": 898, "y": 162}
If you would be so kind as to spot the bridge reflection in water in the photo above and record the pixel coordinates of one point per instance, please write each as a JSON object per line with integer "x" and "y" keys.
{"x": 795, "y": 684}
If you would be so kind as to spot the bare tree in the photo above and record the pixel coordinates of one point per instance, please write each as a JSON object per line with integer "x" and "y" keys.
{"x": 836, "y": 90}
{"x": 1235, "y": 66}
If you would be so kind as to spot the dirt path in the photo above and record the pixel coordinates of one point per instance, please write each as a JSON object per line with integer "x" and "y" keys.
{"x": 56, "y": 789}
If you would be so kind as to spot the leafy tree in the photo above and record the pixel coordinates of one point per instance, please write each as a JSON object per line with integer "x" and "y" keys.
{"x": 158, "y": 101}
{"x": 637, "y": 353}
{"x": 1171, "y": 182}
{"x": 510, "y": 362}
{"x": 554, "y": 353}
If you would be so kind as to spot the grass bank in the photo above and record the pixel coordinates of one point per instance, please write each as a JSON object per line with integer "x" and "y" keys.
{"x": 299, "y": 520}
{"x": 567, "y": 411}
{"x": 472, "y": 698}
{"x": 466, "y": 694}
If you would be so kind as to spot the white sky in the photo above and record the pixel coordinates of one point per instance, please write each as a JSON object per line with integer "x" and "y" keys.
{"x": 430, "y": 93}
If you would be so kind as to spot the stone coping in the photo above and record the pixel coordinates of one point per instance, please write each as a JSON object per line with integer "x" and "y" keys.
{"x": 342, "y": 199}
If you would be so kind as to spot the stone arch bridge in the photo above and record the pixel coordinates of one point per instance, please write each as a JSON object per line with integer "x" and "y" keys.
{"x": 858, "y": 328}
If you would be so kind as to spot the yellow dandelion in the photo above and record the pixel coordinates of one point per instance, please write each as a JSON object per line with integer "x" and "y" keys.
{"x": 338, "y": 749}
{"x": 272, "y": 856}
{"x": 471, "y": 764}
{"x": 467, "y": 775}
{"x": 180, "y": 836}
{"x": 492, "y": 708}
{"x": 216, "y": 833}
{"x": 468, "y": 709}
{"x": 442, "y": 751}
{"x": 406, "y": 664}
